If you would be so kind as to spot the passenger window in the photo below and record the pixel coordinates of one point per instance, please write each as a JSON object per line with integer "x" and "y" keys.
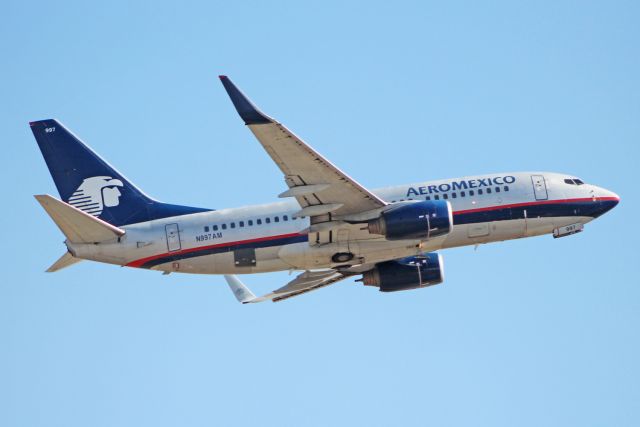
{"x": 488, "y": 191}
{"x": 445, "y": 196}
{"x": 471, "y": 192}
{"x": 259, "y": 221}
{"x": 241, "y": 223}
{"x": 454, "y": 195}
{"x": 285, "y": 218}
{"x": 224, "y": 226}
{"x": 267, "y": 220}
{"x": 233, "y": 225}
{"x": 462, "y": 194}
{"x": 497, "y": 189}
{"x": 215, "y": 228}
{"x": 479, "y": 192}
{"x": 276, "y": 219}
{"x": 206, "y": 228}
{"x": 428, "y": 198}
{"x": 506, "y": 188}
{"x": 250, "y": 222}
{"x": 437, "y": 197}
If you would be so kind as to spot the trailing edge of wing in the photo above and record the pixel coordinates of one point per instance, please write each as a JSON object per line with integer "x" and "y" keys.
{"x": 248, "y": 112}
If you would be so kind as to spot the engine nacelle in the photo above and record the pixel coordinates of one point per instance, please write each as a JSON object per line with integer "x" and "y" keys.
{"x": 407, "y": 273}
{"x": 415, "y": 220}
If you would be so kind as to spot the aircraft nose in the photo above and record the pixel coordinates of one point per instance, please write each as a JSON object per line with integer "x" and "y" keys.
{"x": 611, "y": 196}
{"x": 608, "y": 201}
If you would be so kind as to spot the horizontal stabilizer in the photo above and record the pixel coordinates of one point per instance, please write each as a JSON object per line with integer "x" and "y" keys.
{"x": 65, "y": 261}
{"x": 76, "y": 225}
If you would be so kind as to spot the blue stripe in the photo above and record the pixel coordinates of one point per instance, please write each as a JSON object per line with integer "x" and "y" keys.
{"x": 222, "y": 249}
{"x": 547, "y": 210}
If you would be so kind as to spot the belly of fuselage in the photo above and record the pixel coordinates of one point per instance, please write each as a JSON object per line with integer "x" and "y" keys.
{"x": 303, "y": 256}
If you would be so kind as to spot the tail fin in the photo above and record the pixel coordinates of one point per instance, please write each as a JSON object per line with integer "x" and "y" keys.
{"x": 90, "y": 184}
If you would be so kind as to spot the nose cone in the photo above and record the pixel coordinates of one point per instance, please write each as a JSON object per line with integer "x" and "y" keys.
{"x": 608, "y": 200}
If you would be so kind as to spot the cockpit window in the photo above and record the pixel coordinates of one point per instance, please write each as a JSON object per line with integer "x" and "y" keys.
{"x": 573, "y": 181}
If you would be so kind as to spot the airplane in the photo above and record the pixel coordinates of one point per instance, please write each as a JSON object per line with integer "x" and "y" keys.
{"x": 328, "y": 226}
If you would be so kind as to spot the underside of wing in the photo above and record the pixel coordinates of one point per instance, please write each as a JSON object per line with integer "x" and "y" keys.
{"x": 321, "y": 189}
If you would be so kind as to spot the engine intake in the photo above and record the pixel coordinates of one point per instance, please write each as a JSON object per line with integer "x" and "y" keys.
{"x": 407, "y": 273}
{"x": 415, "y": 220}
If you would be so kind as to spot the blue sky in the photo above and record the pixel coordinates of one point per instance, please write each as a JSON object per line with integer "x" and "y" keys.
{"x": 530, "y": 332}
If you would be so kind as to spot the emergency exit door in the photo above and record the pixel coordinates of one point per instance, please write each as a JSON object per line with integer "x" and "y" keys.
{"x": 173, "y": 237}
{"x": 539, "y": 187}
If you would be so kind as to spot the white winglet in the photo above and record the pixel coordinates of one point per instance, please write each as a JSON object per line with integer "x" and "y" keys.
{"x": 241, "y": 292}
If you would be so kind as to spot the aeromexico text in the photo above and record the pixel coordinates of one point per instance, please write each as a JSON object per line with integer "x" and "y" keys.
{"x": 460, "y": 185}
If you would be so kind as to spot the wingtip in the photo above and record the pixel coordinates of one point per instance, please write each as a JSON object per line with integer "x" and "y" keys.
{"x": 239, "y": 290}
{"x": 245, "y": 108}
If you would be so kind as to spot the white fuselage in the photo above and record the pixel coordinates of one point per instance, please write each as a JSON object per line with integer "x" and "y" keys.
{"x": 263, "y": 238}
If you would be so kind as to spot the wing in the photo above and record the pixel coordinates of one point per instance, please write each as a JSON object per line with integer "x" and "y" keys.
{"x": 319, "y": 187}
{"x": 303, "y": 283}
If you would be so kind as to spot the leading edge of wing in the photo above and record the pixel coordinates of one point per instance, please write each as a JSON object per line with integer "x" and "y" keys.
{"x": 303, "y": 283}
{"x": 300, "y": 163}
{"x": 246, "y": 109}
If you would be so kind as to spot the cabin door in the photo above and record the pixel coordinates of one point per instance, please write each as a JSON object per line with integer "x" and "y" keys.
{"x": 173, "y": 237}
{"x": 539, "y": 187}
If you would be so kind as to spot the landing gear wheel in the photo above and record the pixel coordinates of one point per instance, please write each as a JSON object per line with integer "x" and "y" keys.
{"x": 341, "y": 257}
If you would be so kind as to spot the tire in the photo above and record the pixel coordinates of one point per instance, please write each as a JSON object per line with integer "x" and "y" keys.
{"x": 342, "y": 257}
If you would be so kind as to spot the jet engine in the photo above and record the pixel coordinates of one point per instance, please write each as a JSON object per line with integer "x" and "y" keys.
{"x": 406, "y": 273}
{"x": 414, "y": 220}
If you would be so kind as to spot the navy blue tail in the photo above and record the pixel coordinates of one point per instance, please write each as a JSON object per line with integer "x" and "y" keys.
{"x": 86, "y": 181}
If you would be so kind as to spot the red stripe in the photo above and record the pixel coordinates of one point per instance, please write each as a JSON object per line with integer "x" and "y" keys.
{"x": 539, "y": 202}
{"x": 140, "y": 262}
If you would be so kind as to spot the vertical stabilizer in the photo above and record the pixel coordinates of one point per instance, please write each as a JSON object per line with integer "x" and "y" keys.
{"x": 88, "y": 183}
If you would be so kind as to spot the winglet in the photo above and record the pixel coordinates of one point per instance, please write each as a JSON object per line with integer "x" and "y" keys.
{"x": 248, "y": 112}
{"x": 241, "y": 292}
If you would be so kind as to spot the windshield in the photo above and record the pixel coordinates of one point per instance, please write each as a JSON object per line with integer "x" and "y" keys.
{"x": 573, "y": 181}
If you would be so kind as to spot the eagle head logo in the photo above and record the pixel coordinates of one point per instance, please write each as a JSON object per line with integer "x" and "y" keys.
{"x": 96, "y": 193}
